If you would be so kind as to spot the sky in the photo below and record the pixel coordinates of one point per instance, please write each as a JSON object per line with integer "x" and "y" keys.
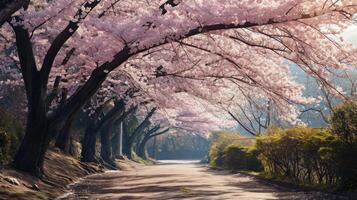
{"x": 351, "y": 35}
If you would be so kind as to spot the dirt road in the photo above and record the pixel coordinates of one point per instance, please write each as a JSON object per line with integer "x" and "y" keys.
{"x": 184, "y": 180}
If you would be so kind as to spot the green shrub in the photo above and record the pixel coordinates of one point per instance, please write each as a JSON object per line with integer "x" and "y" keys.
{"x": 229, "y": 150}
{"x": 309, "y": 155}
{"x": 344, "y": 124}
{"x": 297, "y": 153}
{"x": 237, "y": 157}
{"x": 11, "y": 132}
{"x": 344, "y": 121}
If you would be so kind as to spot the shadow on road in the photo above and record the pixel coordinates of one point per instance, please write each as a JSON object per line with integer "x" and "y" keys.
{"x": 169, "y": 180}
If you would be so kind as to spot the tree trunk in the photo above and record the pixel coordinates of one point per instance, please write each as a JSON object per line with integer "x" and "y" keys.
{"x": 31, "y": 153}
{"x": 89, "y": 144}
{"x": 29, "y": 157}
{"x": 126, "y": 137}
{"x": 154, "y": 149}
{"x": 105, "y": 150}
{"x": 63, "y": 139}
{"x": 127, "y": 149}
{"x": 142, "y": 149}
{"x": 115, "y": 144}
{"x": 117, "y": 141}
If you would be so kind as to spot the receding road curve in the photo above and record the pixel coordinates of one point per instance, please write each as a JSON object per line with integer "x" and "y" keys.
{"x": 183, "y": 180}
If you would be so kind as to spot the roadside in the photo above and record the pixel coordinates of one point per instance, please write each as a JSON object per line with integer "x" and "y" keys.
{"x": 276, "y": 182}
{"x": 60, "y": 171}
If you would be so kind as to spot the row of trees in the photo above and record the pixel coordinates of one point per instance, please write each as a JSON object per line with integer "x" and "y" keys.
{"x": 106, "y": 134}
{"x": 120, "y": 131}
{"x": 65, "y": 51}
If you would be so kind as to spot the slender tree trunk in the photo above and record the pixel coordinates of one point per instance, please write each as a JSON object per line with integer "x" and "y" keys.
{"x": 117, "y": 139}
{"x": 63, "y": 139}
{"x": 133, "y": 137}
{"x": 126, "y": 137}
{"x": 154, "y": 148}
{"x": 137, "y": 143}
{"x": 151, "y": 134}
{"x": 105, "y": 151}
{"x": 127, "y": 149}
{"x": 89, "y": 144}
{"x": 142, "y": 149}
{"x": 115, "y": 144}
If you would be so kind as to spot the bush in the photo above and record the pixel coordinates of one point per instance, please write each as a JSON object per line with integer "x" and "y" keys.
{"x": 11, "y": 132}
{"x": 232, "y": 151}
{"x": 299, "y": 154}
{"x": 309, "y": 155}
{"x": 344, "y": 121}
{"x": 237, "y": 157}
{"x": 344, "y": 124}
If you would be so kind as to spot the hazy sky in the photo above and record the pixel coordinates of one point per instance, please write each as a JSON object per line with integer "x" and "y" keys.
{"x": 351, "y": 34}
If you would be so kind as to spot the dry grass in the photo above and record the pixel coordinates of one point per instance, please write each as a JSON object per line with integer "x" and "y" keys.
{"x": 60, "y": 170}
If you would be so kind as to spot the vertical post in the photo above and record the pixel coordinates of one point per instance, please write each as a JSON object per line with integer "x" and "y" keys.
{"x": 154, "y": 148}
{"x": 120, "y": 138}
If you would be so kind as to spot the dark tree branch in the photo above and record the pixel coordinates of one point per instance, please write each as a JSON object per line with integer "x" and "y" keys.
{"x": 241, "y": 124}
{"x": 117, "y": 110}
{"x": 26, "y": 57}
{"x": 159, "y": 133}
{"x": 53, "y": 94}
{"x": 68, "y": 56}
{"x": 141, "y": 126}
{"x": 172, "y": 3}
{"x": 62, "y": 38}
{"x": 7, "y": 8}
{"x": 106, "y": 10}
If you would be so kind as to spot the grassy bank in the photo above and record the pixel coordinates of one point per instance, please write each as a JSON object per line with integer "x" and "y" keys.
{"x": 60, "y": 170}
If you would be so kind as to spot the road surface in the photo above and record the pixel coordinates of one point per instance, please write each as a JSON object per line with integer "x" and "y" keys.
{"x": 180, "y": 180}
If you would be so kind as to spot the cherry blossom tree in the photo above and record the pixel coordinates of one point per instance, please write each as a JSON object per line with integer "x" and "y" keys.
{"x": 149, "y": 134}
{"x": 241, "y": 42}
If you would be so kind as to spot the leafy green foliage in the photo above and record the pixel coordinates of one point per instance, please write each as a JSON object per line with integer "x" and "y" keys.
{"x": 231, "y": 151}
{"x": 238, "y": 157}
{"x": 344, "y": 124}
{"x": 10, "y": 136}
{"x": 309, "y": 155}
{"x": 298, "y": 153}
{"x": 344, "y": 121}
